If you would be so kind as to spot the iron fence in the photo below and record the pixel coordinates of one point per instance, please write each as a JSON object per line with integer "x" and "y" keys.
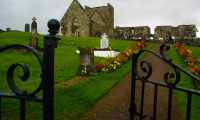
{"x": 47, "y": 76}
{"x": 171, "y": 85}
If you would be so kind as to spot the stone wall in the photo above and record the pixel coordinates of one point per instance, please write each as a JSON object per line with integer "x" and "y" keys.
{"x": 106, "y": 13}
{"x": 179, "y": 32}
{"x": 162, "y": 32}
{"x": 140, "y": 32}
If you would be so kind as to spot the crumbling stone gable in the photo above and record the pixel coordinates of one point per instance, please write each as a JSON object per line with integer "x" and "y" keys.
{"x": 78, "y": 21}
{"x": 75, "y": 22}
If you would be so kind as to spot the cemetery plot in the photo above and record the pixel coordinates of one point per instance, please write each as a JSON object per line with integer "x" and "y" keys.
{"x": 86, "y": 62}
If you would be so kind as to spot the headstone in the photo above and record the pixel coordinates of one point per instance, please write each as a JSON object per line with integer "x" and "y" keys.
{"x": 27, "y": 27}
{"x": 104, "y": 41}
{"x": 34, "y": 42}
{"x": 86, "y": 62}
{"x": 8, "y": 29}
{"x": 34, "y": 26}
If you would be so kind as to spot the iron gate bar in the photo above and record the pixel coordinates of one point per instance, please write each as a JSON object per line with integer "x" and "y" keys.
{"x": 155, "y": 101}
{"x": 188, "y": 106}
{"x": 167, "y": 83}
{"x": 169, "y": 104}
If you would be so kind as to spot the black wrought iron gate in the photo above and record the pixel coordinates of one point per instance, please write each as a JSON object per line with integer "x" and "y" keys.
{"x": 168, "y": 83}
{"x": 47, "y": 75}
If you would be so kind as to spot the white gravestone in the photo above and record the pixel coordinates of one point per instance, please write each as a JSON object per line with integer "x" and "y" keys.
{"x": 104, "y": 41}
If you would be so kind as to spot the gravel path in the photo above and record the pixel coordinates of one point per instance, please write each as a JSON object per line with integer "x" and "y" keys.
{"x": 115, "y": 104}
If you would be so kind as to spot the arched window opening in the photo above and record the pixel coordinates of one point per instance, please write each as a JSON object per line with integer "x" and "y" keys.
{"x": 74, "y": 25}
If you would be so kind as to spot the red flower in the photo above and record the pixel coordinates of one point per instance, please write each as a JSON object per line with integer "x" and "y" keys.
{"x": 100, "y": 65}
{"x": 190, "y": 55}
{"x": 178, "y": 44}
{"x": 190, "y": 65}
{"x": 184, "y": 51}
{"x": 142, "y": 42}
{"x": 196, "y": 70}
{"x": 111, "y": 61}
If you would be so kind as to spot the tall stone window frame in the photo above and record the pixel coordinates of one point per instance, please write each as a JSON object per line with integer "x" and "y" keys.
{"x": 74, "y": 25}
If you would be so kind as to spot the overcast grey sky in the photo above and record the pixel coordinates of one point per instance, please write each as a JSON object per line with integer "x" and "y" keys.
{"x": 16, "y": 13}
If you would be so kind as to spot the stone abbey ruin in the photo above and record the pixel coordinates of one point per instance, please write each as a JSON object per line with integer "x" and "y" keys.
{"x": 79, "y": 21}
{"x": 88, "y": 21}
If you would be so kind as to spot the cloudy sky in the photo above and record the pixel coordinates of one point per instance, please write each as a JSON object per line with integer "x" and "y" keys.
{"x": 16, "y": 13}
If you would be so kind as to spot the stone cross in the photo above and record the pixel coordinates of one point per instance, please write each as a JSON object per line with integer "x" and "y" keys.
{"x": 34, "y": 26}
{"x": 104, "y": 41}
{"x": 34, "y": 19}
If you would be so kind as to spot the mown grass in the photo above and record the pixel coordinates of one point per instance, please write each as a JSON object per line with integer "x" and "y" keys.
{"x": 186, "y": 82}
{"x": 70, "y": 102}
{"x": 195, "y": 50}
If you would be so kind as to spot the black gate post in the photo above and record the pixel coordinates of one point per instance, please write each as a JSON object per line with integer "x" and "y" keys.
{"x": 50, "y": 43}
{"x": 133, "y": 82}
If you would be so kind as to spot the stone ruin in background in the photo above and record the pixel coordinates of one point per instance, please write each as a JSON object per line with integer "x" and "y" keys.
{"x": 182, "y": 33}
{"x": 88, "y": 21}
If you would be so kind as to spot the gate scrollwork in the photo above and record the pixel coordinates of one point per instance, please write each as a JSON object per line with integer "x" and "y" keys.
{"x": 26, "y": 72}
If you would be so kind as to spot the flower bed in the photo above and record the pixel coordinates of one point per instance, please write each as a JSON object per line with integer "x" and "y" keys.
{"x": 193, "y": 63}
{"x": 111, "y": 64}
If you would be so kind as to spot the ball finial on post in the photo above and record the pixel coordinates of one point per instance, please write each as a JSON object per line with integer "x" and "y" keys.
{"x": 54, "y": 26}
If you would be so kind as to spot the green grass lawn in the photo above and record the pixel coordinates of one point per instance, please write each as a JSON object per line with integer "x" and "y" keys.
{"x": 195, "y": 50}
{"x": 70, "y": 102}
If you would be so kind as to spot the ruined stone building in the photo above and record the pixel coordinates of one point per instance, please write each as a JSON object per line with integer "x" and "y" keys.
{"x": 79, "y": 21}
{"x": 140, "y": 32}
{"x": 94, "y": 21}
{"x": 179, "y": 33}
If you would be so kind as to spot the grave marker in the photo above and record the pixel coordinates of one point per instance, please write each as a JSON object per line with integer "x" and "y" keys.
{"x": 27, "y": 27}
{"x": 34, "y": 26}
{"x": 104, "y": 41}
{"x": 34, "y": 42}
{"x": 86, "y": 62}
{"x": 8, "y": 29}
